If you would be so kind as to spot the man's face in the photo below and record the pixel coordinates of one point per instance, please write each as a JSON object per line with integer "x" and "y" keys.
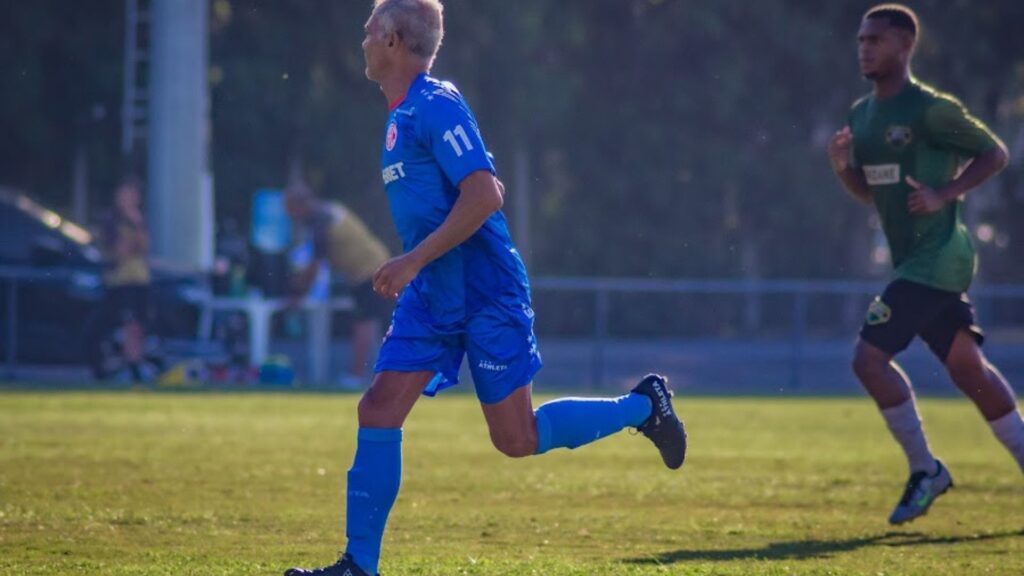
{"x": 374, "y": 49}
{"x": 881, "y": 49}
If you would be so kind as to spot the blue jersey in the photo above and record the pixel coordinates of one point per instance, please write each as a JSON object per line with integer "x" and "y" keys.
{"x": 432, "y": 142}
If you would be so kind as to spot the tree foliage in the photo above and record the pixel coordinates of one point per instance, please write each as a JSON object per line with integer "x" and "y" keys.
{"x": 664, "y": 137}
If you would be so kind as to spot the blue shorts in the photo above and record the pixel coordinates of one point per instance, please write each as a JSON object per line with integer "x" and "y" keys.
{"x": 498, "y": 340}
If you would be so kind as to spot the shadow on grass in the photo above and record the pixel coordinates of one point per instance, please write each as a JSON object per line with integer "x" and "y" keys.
{"x": 806, "y": 549}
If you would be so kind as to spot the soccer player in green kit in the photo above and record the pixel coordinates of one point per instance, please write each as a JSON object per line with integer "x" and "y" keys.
{"x": 914, "y": 152}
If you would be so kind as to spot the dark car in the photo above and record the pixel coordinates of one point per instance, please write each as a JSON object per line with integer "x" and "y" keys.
{"x": 58, "y": 270}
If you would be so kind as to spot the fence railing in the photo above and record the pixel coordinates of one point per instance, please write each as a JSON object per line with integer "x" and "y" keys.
{"x": 800, "y": 291}
{"x": 601, "y": 290}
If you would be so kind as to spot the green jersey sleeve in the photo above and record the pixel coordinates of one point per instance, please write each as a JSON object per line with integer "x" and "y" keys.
{"x": 953, "y": 128}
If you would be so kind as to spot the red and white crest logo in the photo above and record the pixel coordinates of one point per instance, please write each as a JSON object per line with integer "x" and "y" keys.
{"x": 392, "y": 137}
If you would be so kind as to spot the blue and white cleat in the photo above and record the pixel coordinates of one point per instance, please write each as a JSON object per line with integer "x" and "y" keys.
{"x": 922, "y": 490}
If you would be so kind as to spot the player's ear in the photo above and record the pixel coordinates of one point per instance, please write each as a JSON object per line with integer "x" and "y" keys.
{"x": 909, "y": 40}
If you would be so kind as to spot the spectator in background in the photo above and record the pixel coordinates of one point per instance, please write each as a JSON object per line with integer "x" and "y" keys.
{"x": 125, "y": 243}
{"x": 342, "y": 240}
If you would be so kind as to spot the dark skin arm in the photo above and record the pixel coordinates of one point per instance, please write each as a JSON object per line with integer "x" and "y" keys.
{"x": 926, "y": 200}
{"x": 480, "y": 195}
{"x": 839, "y": 156}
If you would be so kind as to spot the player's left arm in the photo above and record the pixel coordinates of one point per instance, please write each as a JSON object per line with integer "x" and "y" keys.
{"x": 452, "y": 135}
{"x": 951, "y": 127}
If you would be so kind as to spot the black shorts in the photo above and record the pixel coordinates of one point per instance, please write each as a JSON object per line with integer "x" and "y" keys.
{"x": 127, "y": 303}
{"x": 369, "y": 304}
{"x": 907, "y": 309}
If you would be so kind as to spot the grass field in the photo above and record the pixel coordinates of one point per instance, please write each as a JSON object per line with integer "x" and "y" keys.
{"x": 217, "y": 484}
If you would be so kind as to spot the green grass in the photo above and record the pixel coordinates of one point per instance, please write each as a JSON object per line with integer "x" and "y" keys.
{"x": 216, "y": 484}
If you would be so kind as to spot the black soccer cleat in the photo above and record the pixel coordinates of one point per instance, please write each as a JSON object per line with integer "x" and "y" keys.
{"x": 922, "y": 490}
{"x": 663, "y": 427}
{"x": 345, "y": 566}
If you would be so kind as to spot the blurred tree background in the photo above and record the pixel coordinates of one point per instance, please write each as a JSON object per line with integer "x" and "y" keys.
{"x": 661, "y": 138}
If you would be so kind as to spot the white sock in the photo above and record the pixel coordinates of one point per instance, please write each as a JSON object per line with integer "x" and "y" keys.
{"x": 905, "y": 425}
{"x": 1010, "y": 431}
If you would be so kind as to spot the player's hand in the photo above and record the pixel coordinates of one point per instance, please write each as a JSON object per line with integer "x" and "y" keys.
{"x": 839, "y": 149}
{"x": 501, "y": 187}
{"x": 924, "y": 199}
{"x": 391, "y": 278}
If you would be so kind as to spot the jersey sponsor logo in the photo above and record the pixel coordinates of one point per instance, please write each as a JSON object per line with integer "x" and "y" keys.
{"x": 882, "y": 174}
{"x": 393, "y": 172}
{"x": 878, "y": 313}
{"x": 899, "y": 137}
{"x": 392, "y": 137}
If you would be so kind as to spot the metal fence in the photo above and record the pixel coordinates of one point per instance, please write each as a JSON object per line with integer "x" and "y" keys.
{"x": 600, "y": 295}
{"x": 752, "y": 293}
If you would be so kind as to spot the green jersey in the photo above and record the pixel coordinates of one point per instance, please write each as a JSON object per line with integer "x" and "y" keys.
{"x": 927, "y": 135}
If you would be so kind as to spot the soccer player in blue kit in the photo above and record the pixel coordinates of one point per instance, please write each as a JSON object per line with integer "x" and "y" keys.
{"x": 462, "y": 290}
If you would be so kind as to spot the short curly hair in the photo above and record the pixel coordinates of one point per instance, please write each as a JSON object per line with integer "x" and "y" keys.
{"x": 898, "y": 16}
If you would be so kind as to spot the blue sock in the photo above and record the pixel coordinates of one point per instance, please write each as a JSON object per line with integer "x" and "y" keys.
{"x": 373, "y": 485}
{"x": 573, "y": 422}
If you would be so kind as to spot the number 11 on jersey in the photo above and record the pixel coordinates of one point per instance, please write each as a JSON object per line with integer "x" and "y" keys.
{"x": 459, "y": 131}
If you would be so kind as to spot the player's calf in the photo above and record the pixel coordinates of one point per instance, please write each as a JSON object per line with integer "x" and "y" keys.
{"x": 515, "y": 446}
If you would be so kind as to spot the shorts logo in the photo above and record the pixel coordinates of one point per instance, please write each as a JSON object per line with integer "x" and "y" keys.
{"x": 392, "y": 137}
{"x": 899, "y": 137}
{"x": 491, "y": 366}
{"x": 878, "y": 313}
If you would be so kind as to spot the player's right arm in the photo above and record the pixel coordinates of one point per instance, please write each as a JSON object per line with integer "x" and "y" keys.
{"x": 450, "y": 131}
{"x": 852, "y": 178}
{"x": 480, "y": 195}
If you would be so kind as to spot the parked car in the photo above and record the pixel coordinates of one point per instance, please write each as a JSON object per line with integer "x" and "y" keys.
{"x": 59, "y": 270}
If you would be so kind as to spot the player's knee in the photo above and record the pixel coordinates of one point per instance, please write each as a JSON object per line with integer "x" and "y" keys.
{"x": 376, "y": 412}
{"x": 515, "y": 446}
